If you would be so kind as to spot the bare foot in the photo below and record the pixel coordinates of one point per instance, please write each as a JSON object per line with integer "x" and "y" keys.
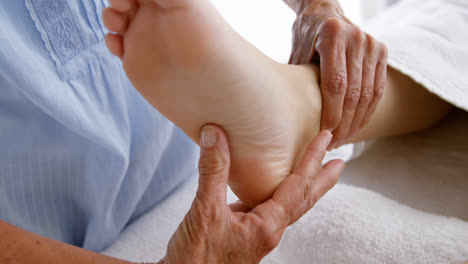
{"x": 195, "y": 69}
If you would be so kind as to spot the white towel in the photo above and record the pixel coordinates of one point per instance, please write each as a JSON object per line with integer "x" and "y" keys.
{"x": 427, "y": 171}
{"x": 428, "y": 41}
{"x": 349, "y": 225}
{"x": 354, "y": 225}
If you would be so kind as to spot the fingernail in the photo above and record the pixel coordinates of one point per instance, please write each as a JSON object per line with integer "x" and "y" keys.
{"x": 209, "y": 137}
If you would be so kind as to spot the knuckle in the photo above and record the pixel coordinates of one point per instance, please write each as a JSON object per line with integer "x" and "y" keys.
{"x": 362, "y": 38}
{"x": 358, "y": 35}
{"x": 211, "y": 166}
{"x": 352, "y": 98}
{"x": 271, "y": 242}
{"x": 367, "y": 95}
{"x": 201, "y": 211}
{"x": 269, "y": 237}
{"x": 332, "y": 25}
{"x": 379, "y": 91}
{"x": 308, "y": 184}
{"x": 337, "y": 84}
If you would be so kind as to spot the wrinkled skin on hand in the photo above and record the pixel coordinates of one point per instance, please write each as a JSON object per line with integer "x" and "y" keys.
{"x": 214, "y": 232}
{"x": 353, "y": 65}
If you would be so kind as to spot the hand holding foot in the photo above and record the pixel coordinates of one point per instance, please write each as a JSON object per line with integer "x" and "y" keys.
{"x": 353, "y": 65}
{"x": 213, "y": 232}
{"x": 191, "y": 66}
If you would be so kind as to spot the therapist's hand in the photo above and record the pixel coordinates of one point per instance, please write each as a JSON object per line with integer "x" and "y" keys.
{"x": 353, "y": 65}
{"x": 214, "y": 232}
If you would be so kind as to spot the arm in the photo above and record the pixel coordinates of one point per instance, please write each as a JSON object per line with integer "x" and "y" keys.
{"x": 22, "y": 247}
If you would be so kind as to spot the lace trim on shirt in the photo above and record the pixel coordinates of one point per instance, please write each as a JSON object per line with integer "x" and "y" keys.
{"x": 62, "y": 35}
{"x": 55, "y": 22}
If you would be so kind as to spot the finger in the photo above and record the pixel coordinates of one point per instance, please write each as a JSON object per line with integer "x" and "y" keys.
{"x": 213, "y": 166}
{"x": 311, "y": 161}
{"x": 327, "y": 178}
{"x": 122, "y": 5}
{"x": 354, "y": 62}
{"x": 379, "y": 85}
{"x": 295, "y": 189}
{"x": 114, "y": 43}
{"x": 239, "y": 207}
{"x": 114, "y": 21}
{"x": 333, "y": 82}
{"x": 367, "y": 93}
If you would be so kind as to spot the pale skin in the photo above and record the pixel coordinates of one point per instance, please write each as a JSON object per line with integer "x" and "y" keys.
{"x": 195, "y": 69}
{"x": 405, "y": 107}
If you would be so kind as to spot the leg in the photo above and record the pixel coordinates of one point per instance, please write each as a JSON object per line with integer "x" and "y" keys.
{"x": 187, "y": 61}
{"x": 405, "y": 107}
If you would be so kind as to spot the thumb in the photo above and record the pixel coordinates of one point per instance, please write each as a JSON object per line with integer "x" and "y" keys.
{"x": 213, "y": 165}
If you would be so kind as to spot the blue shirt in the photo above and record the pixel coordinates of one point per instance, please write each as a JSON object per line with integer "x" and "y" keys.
{"x": 82, "y": 153}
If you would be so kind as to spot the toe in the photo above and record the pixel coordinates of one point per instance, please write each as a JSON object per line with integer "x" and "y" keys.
{"x": 123, "y": 5}
{"x": 114, "y": 21}
{"x": 115, "y": 45}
